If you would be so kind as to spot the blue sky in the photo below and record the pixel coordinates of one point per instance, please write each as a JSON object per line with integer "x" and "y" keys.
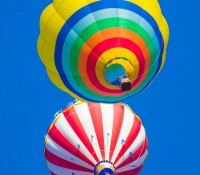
{"x": 169, "y": 108}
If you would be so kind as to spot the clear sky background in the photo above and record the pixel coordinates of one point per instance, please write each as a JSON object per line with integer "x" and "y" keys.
{"x": 169, "y": 108}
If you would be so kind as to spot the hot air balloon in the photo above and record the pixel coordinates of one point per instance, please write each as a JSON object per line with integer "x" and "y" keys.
{"x": 103, "y": 50}
{"x": 95, "y": 138}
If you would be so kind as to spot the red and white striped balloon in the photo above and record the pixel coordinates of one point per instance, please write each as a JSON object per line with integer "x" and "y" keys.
{"x": 86, "y": 135}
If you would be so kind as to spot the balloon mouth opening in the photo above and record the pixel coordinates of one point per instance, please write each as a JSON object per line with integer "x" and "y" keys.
{"x": 104, "y": 167}
{"x": 113, "y": 72}
{"x": 117, "y": 69}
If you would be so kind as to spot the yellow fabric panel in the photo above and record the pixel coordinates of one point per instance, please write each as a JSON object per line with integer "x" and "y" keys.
{"x": 48, "y": 56}
{"x": 55, "y": 78}
{"x": 165, "y": 33}
{"x": 154, "y": 10}
{"x": 57, "y": 3}
{"x": 99, "y": 70}
{"x": 40, "y": 44}
{"x": 44, "y": 18}
{"x": 124, "y": 53}
{"x": 51, "y": 23}
{"x": 53, "y": 27}
{"x": 68, "y": 7}
{"x": 105, "y": 57}
{"x": 46, "y": 53}
{"x": 155, "y": 3}
{"x": 164, "y": 28}
{"x": 163, "y": 61}
{"x": 151, "y": 7}
{"x": 137, "y": 2}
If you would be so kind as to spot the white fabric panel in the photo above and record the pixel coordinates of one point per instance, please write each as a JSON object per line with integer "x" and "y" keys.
{"x": 62, "y": 153}
{"x": 133, "y": 165}
{"x": 107, "y": 118}
{"x": 139, "y": 161}
{"x": 134, "y": 146}
{"x": 125, "y": 130}
{"x": 66, "y": 130}
{"x": 84, "y": 116}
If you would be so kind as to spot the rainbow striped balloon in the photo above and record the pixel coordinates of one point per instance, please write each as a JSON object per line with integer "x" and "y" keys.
{"x": 96, "y": 139}
{"x": 86, "y": 45}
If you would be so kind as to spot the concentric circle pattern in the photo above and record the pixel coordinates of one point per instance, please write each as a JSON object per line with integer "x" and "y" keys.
{"x": 79, "y": 39}
{"x": 96, "y": 139}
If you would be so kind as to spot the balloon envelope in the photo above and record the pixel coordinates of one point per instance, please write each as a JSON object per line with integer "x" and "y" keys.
{"x": 86, "y": 45}
{"x": 94, "y": 138}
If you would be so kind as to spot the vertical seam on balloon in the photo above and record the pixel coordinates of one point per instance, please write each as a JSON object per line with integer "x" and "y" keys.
{"x": 90, "y": 131}
{"x": 45, "y": 31}
{"x": 58, "y": 6}
{"x": 100, "y": 31}
{"x": 127, "y": 161}
{"x": 161, "y": 44}
{"x": 78, "y": 35}
{"x": 48, "y": 22}
{"x": 119, "y": 37}
{"x": 84, "y": 42}
{"x": 155, "y": 74}
{"x": 138, "y": 24}
{"x": 65, "y": 53}
{"x": 63, "y": 163}
{"x": 80, "y": 133}
{"x": 110, "y": 94}
{"x": 100, "y": 135}
{"x": 147, "y": 48}
{"x": 132, "y": 163}
{"x": 113, "y": 134}
{"x": 81, "y": 158}
{"x": 135, "y": 122}
{"x": 82, "y": 154}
